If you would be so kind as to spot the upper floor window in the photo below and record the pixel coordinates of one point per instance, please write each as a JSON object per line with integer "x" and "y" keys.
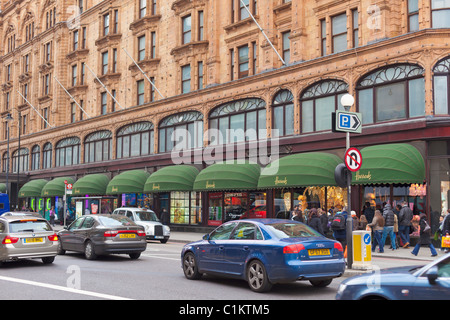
{"x": 318, "y": 102}
{"x": 187, "y": 29}
{"x": 441, "y": 88}
{"x": 237, "y": 121}
{"x": 413, "y": 15}
{"x": 339, "y": 33}
{"x": 440, "y": 13}
{"x": 181, "y": 131}
{"x": 67, "y": 152}
{"x": 135, "y": 140}
{"x": 238, "y": 10}
{"x": 20, "y": 160}
{"x": 35, "y": 157}
{"x": 392, "y": 93}
{"x": 283, "y": 114}
{"x": 98, "y": 146}
{"x": 47, "y": 156}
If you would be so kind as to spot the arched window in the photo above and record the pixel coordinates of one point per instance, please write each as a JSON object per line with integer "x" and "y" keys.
{"x": 441, "y": 87}
{"x": 35, "y": 157}
{"x": 181, "y": 131}
{"x": 318, "y": 102}
{"x": 67, "y": 152}
{"x": 4, "y": 161}
{"x": 47, "y": 156}
{"x": 283, "y": 114}
{"x": 134, "y": 140}
{"x": 20, "y": 160}
{"x": 392, "y": 93}
{"x": 238, "y": 121}
{"x": 98, "y": 146}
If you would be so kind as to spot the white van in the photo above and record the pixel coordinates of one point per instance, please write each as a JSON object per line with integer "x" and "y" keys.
{"x": 154, "y": 229}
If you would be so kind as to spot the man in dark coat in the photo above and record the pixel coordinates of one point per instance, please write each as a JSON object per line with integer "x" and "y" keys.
{"x": 165, "y": 217}
{"x": 404, "y": 222}
{"x": 314, "y": 221}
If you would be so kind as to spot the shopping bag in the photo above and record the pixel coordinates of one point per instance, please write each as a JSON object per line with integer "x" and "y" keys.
{"x": 445, "y": 242}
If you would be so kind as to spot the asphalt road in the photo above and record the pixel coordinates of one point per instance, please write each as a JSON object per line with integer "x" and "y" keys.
{"x": 157, "y": 275}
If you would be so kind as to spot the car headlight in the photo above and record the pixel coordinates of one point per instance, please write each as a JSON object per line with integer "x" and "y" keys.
{"x": 166, "y": 229}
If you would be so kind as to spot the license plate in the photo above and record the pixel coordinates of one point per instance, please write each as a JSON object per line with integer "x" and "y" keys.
{"x": 159, "y": 237}
{"x": 319, "y": 252}
{"x": 128, "y": 236}
{"x": 33, "y": 240}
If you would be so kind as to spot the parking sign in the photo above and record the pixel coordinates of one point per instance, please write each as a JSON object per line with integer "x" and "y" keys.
{"x": 348, "y": 122}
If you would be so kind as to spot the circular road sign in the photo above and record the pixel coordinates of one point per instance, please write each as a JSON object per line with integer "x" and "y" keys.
{"x": 353, "y": 159}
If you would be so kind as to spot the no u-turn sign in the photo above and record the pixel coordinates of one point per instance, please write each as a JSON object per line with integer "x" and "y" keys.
{"x": 353, "y": 159}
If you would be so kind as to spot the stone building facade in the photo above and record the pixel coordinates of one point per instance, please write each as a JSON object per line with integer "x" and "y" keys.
{"x": 204, "y": 54}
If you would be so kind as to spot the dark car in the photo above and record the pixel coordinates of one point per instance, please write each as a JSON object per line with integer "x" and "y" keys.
{"x": 264, "y": 252}
{"x": 102, "y": 234}
{"x": 403, "y": 283}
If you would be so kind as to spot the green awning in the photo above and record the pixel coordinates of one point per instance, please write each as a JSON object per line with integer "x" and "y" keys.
{"x": 174, "y": 178}
{"x": 128, "y": 182}
{"x": 2, "y": 187}
{"x": 390, "y": 163}
{"x": 32, "y": 188}
{"x": 56, "y": 187}
{"x": 231, "y": 175}
{"x": 92, "y": 184}
{"x": 300, "y": 170}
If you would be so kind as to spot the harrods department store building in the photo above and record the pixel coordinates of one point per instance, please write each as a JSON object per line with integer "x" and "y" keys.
{"x": 98, "y": 93}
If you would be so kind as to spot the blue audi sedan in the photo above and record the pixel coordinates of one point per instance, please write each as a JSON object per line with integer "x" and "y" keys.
{"x": 264, "y": 252}
{"x": 431, "y": 281}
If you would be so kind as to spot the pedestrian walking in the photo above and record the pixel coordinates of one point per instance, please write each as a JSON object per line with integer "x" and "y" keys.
{"x": 425, "y": 236}
{"x": 297, "y": 214}
{"x": 368, "y": 212}
{"x": 338, "y": 225}
{"x": 362, "y": 224}
{"x": 165, "y": 218}
{"x": 405, "y": 217}
{"x": 314, "y": 221}
{"x": 52, "y": 216}
{"x": 377, "y": 226}
{"x": 388, "y": 229}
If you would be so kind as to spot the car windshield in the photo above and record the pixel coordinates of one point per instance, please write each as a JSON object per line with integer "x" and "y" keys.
{"x": 115, "y": 221}
{"x": 291, "y": 230}
{"x": 29, "y": 226}
{"x": 146, "y": 216}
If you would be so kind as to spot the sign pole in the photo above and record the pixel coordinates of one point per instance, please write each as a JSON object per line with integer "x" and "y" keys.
{"x": 349, "y": 224}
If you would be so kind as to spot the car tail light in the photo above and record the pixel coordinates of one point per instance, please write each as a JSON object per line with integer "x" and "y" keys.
{"x": 53, "y": 237}
{"x": 141, "y": 233}
{"x": 338, "y": 246}
{"x": 293, "y": 248}
{"x": 10, "y": 240}
{"x": 110, "y": 233}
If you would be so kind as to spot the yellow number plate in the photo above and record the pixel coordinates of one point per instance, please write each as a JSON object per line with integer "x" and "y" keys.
{"x": 319, "y": 252}
{"x": 33, "y": 240}
{"x": 128, "y": 235}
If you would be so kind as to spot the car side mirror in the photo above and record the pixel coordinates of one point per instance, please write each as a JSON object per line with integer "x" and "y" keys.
{"x": 432, "y": 275}
{"x": 206, "y": 237}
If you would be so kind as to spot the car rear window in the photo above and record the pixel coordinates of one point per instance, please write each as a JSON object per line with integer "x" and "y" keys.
{"x": 146, "y": 216}
{"x": 115, "y": 221}
{"x": 29, "y": 226}
{"x": 292, "y": 230}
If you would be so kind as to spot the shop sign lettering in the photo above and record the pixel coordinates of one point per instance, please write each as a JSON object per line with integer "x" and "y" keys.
{"x": 279, "y": 181}
{"x": 210, "y": 185}
{"x": 360, "y": 176}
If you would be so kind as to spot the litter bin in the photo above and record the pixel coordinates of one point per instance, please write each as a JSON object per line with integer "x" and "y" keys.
{"x": 362, "y": 250}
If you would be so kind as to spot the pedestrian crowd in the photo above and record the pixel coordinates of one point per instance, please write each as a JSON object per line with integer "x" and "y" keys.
{"x": 396, "y": 223}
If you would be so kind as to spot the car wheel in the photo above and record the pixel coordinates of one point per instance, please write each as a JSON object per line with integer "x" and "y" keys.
{"x": 61, "y": 251}
{"x": 135, "y": 256}
{"x": 89, "y": 251}
{"x": 48, "y": 260}
{"x": 164, "y": 240}
{"x": 190, "y": 267}
{"x": 321, "y": 283}
{"x": 257, "y": 277}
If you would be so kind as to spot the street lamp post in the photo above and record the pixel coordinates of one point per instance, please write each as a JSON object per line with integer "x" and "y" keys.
{"x": 9, "y": 118}
{"x": 347, "y": 101}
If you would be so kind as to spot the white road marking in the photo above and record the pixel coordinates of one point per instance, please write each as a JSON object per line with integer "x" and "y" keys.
{"x": 61, "y": 288}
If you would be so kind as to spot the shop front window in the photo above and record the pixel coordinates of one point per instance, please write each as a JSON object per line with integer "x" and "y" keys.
{"x": 185, "y": 207}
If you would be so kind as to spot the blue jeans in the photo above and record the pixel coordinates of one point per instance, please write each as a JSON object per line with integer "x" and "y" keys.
{"x": 417, "y": 248}
{"x": 377, "y": 240}
{"x": 389, "y": 230}
{"x": 403, "y": 231}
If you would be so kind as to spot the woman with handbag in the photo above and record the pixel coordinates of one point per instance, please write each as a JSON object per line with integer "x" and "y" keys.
{"x": 425, "y": 236}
